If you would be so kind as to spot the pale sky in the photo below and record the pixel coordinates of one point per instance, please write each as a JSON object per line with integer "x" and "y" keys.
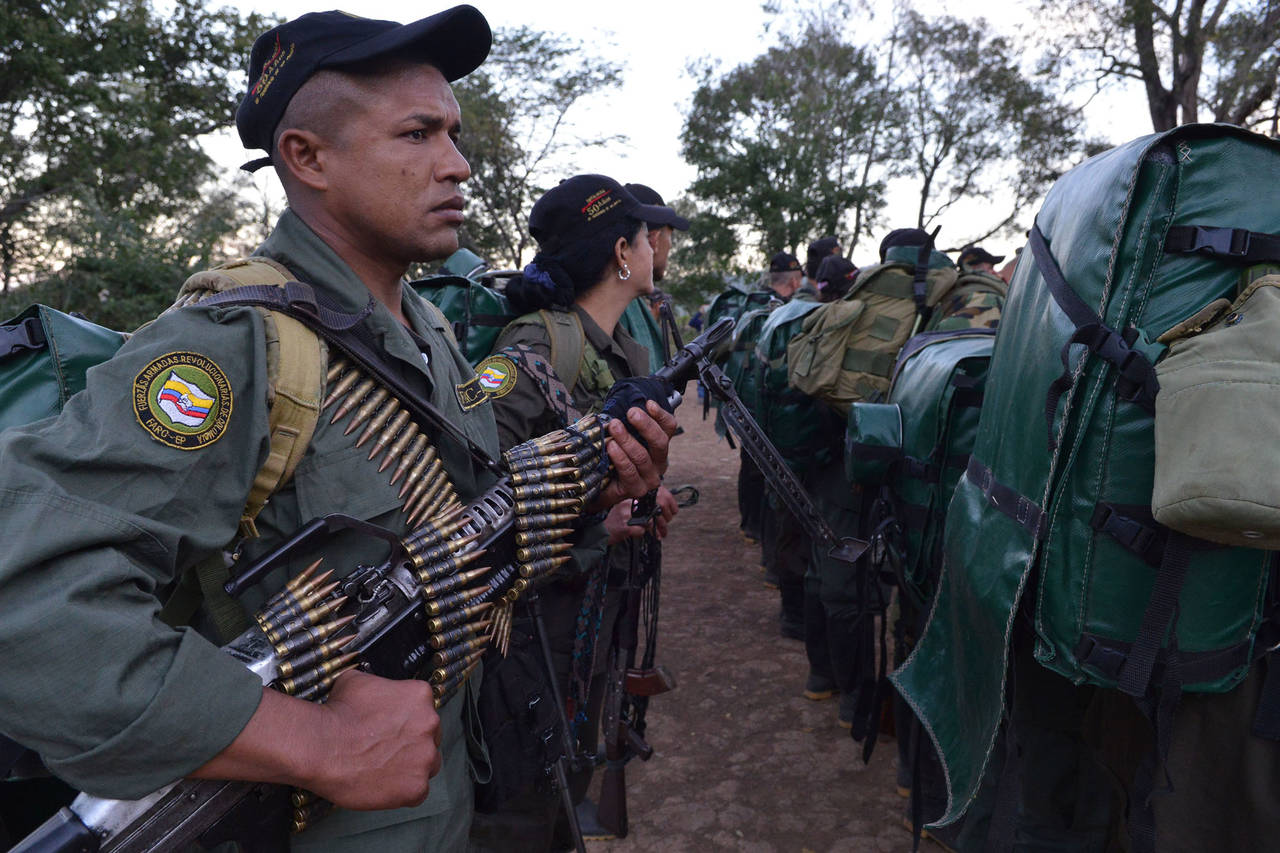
{"x": 654, "y": 41}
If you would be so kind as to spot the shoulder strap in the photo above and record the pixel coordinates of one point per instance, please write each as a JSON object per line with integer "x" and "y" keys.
{"x": 568, "y": 344}
{"x": 296, "y": 359}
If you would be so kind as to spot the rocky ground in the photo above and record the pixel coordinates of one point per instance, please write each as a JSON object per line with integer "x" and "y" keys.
{"x": 742, "y": 761}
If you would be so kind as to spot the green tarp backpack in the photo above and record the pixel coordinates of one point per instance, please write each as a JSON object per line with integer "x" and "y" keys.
{"x": 1055, "y": 504}
{"x": 739, "y": 361}
{"x": 799, "y": 426}
{"x": 847, "y": 349}
{"x": 477, "y": 312}
{"x": 639, "y": 323}
{"x": 916, "y": 445}
{"x": 44, "y": 355}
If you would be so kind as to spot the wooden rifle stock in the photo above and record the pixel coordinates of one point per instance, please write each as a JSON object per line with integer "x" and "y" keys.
{"x": 649, "y": 682}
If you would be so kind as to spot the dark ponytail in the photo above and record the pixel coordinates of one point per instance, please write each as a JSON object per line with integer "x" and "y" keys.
{"x": 554, "y": 279}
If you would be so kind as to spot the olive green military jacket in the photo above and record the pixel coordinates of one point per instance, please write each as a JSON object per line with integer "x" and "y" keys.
{"x": 99, "y": 514}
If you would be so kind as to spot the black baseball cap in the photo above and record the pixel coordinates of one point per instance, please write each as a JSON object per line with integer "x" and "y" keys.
{"x": 583, "y": 205}
{"x": 455, "y": 41}
{"x": 783, "y": 262}
{"x": 648, "y": 195}
{"x": 970, "y": 252}
{"x": 903, "y": 237}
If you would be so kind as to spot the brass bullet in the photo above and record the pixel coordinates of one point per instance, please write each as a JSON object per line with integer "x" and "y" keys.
{"x": 546, "y": 549}
{"x": 442, "y": 526}
{"x": 418, "y": 447}
{"x": 444, "y": 657}
{"x": 301, "y": 797}
{"x": 534, "y": 475}
{"x": 366, "y": 410}
{"x": 443, "y": 674}
{"x": 398, "y": 447}
{"x": 341, "y": 388}
{"x": 297, "y": 582}
{"x": 336, "y": 368}
{"x": 443, "y": 623}
{"x": 415, "y": 473}
{"x": 306, "y": 620}
{"x": 291, "y": 667}
{"x": 538, "y": 568}
{"x": 533, "y": 537}
{"x": 424, "y": 556}
{"x": 378, "y": 421}
{"x": 452, "y": 582}
{"x": 353, "y": 399}
{"x": 450, "y": 564}
{"x": 434, "y": 480}
{"x": 304, "y": 640}
{"x": 390, "y": 432}
{"x": 446, "y": 603}
{"x": 322, "y": 686}
{"x": 537, "y": 505}
{"x": 549, "y": 460}
{"x": 538, "y": 520}
{"x": 311, "y": 676}
{"x": 543, "y": 490}
{"x": 454, "y": 635}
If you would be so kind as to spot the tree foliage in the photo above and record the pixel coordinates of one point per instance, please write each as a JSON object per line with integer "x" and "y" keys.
{"x": 517, "y": 117}
{"x": 780, "y": 143}
{"x": 972, "y": 124}
{"x": 1195, "y": 59}
{"x": 102, "y": 105}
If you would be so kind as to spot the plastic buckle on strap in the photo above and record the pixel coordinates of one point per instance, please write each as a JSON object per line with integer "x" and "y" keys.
{"x": 27, "y": 335}
{"x": 1233, "y": 242}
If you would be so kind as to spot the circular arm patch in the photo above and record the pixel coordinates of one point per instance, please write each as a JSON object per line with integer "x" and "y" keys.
{"x": 183, "y": 400}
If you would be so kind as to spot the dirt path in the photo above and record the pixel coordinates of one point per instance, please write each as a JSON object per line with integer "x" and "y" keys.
{"x": 742, "y": 761}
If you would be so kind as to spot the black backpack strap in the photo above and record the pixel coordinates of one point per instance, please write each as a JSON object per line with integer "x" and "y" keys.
{"x": 1237, "y": 245}
{"x": 920, "y": 279}
{"x": 1136, "y": 379}
{"x": 346, "y": 332}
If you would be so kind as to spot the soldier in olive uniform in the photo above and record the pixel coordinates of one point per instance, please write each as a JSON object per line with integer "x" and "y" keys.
{"x": 564, "y": 353}
{"x": 109, "y": 504}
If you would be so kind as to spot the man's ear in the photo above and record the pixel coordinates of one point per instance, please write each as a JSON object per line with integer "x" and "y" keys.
{"x": 653, "y": 238}
{"x": 298, "y": 153}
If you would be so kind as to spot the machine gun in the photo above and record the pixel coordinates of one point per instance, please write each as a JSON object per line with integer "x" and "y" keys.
{"x": 428, "y": 611}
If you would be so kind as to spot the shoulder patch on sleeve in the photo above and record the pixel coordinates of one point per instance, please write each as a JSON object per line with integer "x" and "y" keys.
{"x": 497, "y": 375}
{"x": 183, "y": 400}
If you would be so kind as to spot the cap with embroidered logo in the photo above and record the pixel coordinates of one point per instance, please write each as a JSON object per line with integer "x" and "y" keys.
{"x": 784, "y": 262}
{"x": 583, "y": 205}
{"x": 455, "y": 41}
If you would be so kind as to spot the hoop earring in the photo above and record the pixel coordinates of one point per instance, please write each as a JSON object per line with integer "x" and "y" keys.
{"x": 625, "y": 269}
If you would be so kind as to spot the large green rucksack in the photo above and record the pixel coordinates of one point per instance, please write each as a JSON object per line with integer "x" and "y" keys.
{"x": 739, "y": 360}
{"x": 799, "y": 426}
{"x": 44, "y": 355}
{"x": 735, "y": 302}
{"x": 476, "y": 311}
{"x": 1055, "y": 501}
{"x": 915, "y": 446}
{"x": 847, "y": 350}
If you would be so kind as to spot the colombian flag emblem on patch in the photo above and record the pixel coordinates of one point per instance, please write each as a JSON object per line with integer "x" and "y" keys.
{"x": 183, "y": 400}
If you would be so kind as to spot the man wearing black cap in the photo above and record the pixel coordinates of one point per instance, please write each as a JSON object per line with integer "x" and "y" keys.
{"x": 107, "y": 506}
{"x": 977, "y": 259}
{"x": 785, "y": 275}
{"x": 639, "y": 320}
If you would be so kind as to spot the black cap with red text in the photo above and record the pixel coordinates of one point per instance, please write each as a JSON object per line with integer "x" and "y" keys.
{"x": 583, "y": 205}
{"x": 455, "y": 41}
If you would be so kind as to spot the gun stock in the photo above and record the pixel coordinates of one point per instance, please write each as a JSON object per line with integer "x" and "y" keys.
{"x": 650, "y": 682}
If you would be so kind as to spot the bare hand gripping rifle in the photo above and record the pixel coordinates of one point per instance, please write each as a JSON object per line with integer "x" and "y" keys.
{"x": 428, "y": 611}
